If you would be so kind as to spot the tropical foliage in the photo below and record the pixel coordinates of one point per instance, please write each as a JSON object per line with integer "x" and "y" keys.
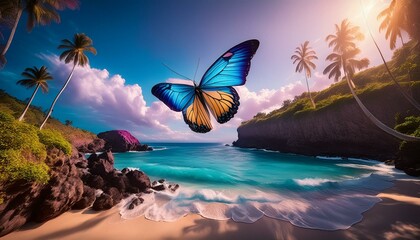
{"x": 22, "y": 155}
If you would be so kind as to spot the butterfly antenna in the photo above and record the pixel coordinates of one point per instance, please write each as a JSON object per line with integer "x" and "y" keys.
{"x": 198, "y": 64}
{"x": 176, "y": 72}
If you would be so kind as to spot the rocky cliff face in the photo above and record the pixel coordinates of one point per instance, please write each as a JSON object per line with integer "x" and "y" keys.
{"x": 337, "y": 130}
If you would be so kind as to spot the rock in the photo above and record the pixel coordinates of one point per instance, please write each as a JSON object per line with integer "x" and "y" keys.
{"x": 93, "y": 181}
{"x": 115, "y": 194}
{"x": 120, "y": 141}
{"x": 135, "y": 202}
{"x": 87, "y": 199}
{"x": 161, "y": 180}
{"x": 143, "y": 147}
{"x": 125, "y": 170}
{"x": 138, "y": 179}
{"x": 82, "y": 163}
{"x": 119, "y": 181}
{"x": 96, "y": 145}
{"x": 19, "y": 200}
{"x": 64, "y": 189}
{"x": 160, "y": 187}
{"x": 103, "y": 202}
{"x": 101, "y": 165}
{"x": 390, "y": 162}
{"x": 173, "y": 188}
{"x": 409, "y": 158}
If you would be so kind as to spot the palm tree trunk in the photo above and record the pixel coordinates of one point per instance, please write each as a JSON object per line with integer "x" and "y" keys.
{"x": 29, "y": 103}
{"x": 406, "y": 95}
{"x": 309, "y": 92}
{"x": 56, "y": 98}
{"x": 375, "y": 121}
{"x": 12, "y": 33}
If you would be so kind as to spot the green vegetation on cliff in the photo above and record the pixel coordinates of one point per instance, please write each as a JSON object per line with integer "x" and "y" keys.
{"x": 24, "y": 148}
{"x": 22, "y": 154}
{"x": 405, "y": 65}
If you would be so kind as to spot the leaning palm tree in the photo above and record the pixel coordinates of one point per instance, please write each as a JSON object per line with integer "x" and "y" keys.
{"x": 34, "y": 77}
{"x": 38, "y": 11}
{"x": 343, "y": 59}
{"x": 389, "y": 13}
{"x": 393, "y": 21}
{"x": 73, "y": 53}
{"x": 304, "y": 56}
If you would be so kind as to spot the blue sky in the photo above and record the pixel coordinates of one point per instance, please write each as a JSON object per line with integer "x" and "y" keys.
{"x": 133, "y": 39}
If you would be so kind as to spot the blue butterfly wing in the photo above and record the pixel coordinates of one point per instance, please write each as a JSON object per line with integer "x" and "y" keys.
{"x": 176, "y": 96}
{"x": 232, "y": 67}
{"x": 223, "y": 102}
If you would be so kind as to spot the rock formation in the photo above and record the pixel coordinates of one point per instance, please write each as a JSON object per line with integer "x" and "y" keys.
{"x": 75, "y": 183}
{"x": 122, "y": 141}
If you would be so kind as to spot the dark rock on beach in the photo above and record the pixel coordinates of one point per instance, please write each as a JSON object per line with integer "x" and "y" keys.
{"x": 87, "y": 199}
{"x": 20, "y": 198}
{"x": 72, "y": 185}
{"x": 64, "y": 189}
{"x": 103, "y": 202}
{"x": 139, "y": 179}
{"x": 122, "y": 141}
{"x": 135, "y": 202}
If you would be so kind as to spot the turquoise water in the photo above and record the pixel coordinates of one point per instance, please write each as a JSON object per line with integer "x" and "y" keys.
{"x": 222, "y": 182}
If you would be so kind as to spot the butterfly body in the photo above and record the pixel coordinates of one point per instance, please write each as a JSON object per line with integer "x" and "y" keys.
{"x": 215, "y": 91}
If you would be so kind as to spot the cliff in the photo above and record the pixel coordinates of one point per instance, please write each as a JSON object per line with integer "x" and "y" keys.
{"x": 338, "y": 129}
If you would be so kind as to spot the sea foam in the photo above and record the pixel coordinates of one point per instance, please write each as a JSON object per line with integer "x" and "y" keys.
{"x": 245, "y": 185}
{"x": 328, "y": 208}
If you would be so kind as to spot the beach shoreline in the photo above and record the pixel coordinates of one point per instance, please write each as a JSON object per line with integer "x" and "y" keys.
{"x": 395, "y": 217}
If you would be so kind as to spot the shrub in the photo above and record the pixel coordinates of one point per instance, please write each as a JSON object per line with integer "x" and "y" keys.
{"x": 52, "y": 138}
{"x": 22, "y": 155}
{"x": 14, "y": 166}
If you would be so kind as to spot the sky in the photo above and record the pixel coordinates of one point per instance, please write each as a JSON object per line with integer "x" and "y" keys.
{"x": 135, "y": 38}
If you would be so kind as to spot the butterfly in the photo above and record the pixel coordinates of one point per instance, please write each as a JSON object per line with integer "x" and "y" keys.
{"x": 214, "y": 92}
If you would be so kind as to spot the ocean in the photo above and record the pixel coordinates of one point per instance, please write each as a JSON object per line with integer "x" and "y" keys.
{"x": 223, "y": 182}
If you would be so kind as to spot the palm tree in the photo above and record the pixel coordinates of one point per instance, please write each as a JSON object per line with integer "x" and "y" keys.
{"x": 401, "y": 15}
{"x": 344, "y": 37}
{"x": 304, "y": 56}
{"x": 393, "y": 21}
{"x": 74, "y": 53}
{"x": 343, "y": 59}
{"x": 392, "y": 43}
{"x": 34, "y": 77}
{"x": 38, "y": 11}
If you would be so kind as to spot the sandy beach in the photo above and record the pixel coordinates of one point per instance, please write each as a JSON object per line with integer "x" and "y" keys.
{"x": 395, "y": 217}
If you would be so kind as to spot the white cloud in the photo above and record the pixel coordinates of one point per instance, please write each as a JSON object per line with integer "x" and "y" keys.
{"x": 111, "y": 99}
